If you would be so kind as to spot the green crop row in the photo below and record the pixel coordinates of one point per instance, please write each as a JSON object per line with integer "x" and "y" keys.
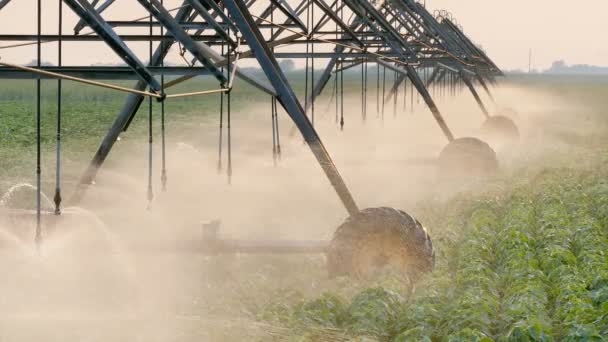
{"x": 530, "y": 267}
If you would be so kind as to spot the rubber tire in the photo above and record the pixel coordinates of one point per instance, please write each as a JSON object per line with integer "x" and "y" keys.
{"x": 467, "y": 157}
{"x": 500, "y": 127}
{"x": 378, "y": 237}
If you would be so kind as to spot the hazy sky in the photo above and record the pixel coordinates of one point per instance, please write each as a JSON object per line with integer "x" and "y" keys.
{"x": 554, "y": 29}
{"x": 507, "y": 29}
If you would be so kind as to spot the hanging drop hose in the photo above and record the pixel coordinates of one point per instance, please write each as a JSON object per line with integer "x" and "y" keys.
{"x": 276, "y": 123}
{"x": 221, "y": 138}
{"x": 336, "y": 91}
{"x": 38, "y": 237}
{"x": 228, "y": 115}
{"x": 438, "y": 85}
{"x": 272, "y": 99}
{"x": 405, "y": 95}
{"x": 312, "y": 66}
{"x": 377, "y": 90}
{"x": 163, "y": 172}
{"x": 336, "y": 73}
{"x": 395, "y": 97}
{"x": 57, "y": 197}
{"x": 341, "y": 99}
{"x": 150, "y": 194}
{"x": 412, "y": 97}
{"x": 383, "y": 88}
{"x": 365, "y": 90}
{"x": 274, "y": 132}
{"x": 306, "y": 70}
{"x": 229, "y": 138}
{"x": 442, "y": 88}
{"x": 341, "y": 79}
{"x": 432, "y": 87}
{"x": 452, "y": 78}
{"x": 362, "y": 93}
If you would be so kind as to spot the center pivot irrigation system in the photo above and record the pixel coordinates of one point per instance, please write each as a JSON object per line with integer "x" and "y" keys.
{"x": 420, "y": 48}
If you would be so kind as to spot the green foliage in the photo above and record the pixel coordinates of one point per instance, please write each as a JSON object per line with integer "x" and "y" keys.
{"x": 374, "y": 312}
{"x": 523, "y": 333}
{"x": 469, "y": 335}
{"x": 526, "y": 263}
{"x": 413, "y": 335}
{"x": 329, "y": 310}
{"x": 280, "y": 308}
{"x": 529, "y": 267}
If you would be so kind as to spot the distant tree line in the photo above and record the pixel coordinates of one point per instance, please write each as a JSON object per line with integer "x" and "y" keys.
{"x": 560, "y": 67}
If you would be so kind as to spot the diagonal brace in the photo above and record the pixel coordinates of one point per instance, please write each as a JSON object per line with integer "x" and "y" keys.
{"x": 172, "y": 26}
{"x": 87, "y": 13}
{"x": 288, "y": 99}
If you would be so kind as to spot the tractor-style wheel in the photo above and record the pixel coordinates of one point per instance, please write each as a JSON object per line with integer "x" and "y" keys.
{"x": 500, "y": 127}
{"x": 467, "y": 157}
{"x": 376, "y": 238}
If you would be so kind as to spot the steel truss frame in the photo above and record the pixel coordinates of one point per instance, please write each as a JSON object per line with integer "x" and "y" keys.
{"x": 399, "y": 35}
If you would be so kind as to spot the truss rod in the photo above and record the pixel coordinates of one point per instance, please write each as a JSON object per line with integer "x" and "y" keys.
{"x": 80, "y": 80}
{"x": 115, "y": 87}
{"x": 328, "y": 41}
